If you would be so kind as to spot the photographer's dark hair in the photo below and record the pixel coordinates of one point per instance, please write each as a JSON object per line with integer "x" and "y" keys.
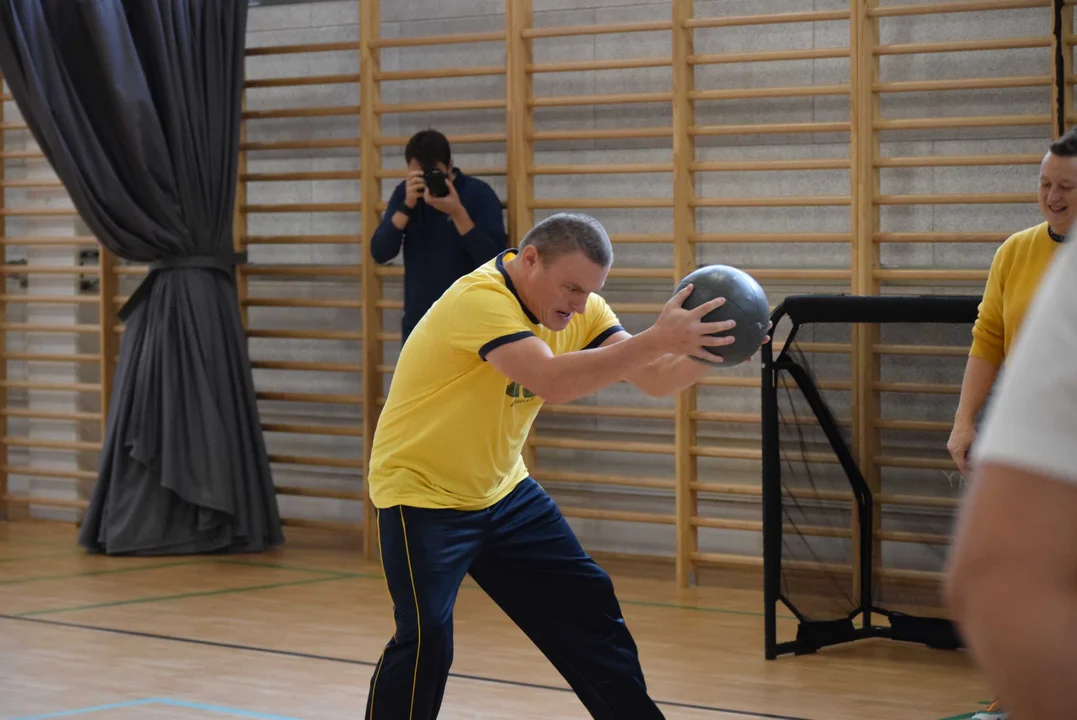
{"x": 1065, "y": 146}
{"x": 563, "y": 233}
{"x": 429, "y": 147}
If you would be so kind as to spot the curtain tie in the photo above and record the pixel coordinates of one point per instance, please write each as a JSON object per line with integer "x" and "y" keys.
{"x": 224, "y": 263}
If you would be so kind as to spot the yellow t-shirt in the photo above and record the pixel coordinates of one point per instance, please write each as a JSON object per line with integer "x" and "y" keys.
{"x": 453, "y": 428}
{"x": 1015, "y": 274}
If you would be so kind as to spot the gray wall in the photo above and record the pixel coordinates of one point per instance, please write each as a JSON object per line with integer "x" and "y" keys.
{"x": 335, "y": 21}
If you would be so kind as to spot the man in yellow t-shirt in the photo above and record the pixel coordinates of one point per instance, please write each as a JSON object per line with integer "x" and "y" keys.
{"x": 1019, "y": 265}
{"x": 447, "y": 477}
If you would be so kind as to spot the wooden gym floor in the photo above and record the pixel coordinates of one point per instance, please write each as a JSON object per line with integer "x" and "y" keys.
{"x": 293, "y": 635}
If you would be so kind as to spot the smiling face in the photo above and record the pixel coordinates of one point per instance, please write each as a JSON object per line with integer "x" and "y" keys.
{"x": 557, "y": 290}
{"x": 1058, "y": 191}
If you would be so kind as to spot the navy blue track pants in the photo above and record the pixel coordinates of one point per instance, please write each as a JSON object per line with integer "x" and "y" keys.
{"x": 525, "y": 556}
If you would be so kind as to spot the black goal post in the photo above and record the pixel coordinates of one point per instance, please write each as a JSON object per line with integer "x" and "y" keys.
{"x": 850, "y": 551}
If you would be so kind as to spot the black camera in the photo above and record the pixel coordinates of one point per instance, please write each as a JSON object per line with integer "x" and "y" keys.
{"x": 435, "y": 182}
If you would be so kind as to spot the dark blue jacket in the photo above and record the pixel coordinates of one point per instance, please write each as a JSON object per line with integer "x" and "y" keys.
{"x": 435, "y": 253}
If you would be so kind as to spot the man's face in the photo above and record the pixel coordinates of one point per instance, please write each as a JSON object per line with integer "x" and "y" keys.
{"x": 557, "y": 291}
{"x": 1058, "y": 191}
{"x": 417, "y": 166}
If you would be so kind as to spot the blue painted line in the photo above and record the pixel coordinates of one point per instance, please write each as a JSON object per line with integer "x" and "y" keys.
{"x": 84, "y": 710}
{"x": 220, "y": 710}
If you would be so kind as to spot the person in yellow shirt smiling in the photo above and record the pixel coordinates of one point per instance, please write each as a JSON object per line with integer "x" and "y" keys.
{"x": 1012, "y": 282}
{"x": 447, "y": 477}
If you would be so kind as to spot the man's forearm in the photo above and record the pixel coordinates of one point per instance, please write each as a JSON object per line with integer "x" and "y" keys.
{"x": 462, "y": 220}
{"x": 975, "y": 387}
{"x": 577, "y": 374}
{"x": 668, "y": 375}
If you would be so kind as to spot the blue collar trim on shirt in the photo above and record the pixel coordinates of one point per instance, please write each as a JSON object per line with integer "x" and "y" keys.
{"x": 509, "y": 284}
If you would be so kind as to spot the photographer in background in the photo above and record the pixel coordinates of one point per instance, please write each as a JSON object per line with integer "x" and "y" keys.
{"x": 449, "y": 223}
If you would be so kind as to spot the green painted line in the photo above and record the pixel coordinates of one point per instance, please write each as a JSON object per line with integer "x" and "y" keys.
{"x": 181, "y": 596}
{"x": 91, "y": 573}
{"x": 300, "y": 568}
{"x": 21, "y": 558}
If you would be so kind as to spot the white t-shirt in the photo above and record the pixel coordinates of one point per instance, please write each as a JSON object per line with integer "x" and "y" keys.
{"x": 1032, "y": 421}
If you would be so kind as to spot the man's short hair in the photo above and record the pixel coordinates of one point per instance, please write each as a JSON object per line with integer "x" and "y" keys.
{"x": 564, "y": 233}
{"x": 1065, "y": 146}
{"x": 429, "y": 147}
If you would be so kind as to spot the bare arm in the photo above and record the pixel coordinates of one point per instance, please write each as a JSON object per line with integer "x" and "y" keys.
{"x": 1012, "y": 587}
{"x": 563, "y": 378}
{"x": 975, "y": 387}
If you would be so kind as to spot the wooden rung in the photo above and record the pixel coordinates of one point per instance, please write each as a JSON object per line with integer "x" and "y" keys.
{"x": 304, "y": 270}
{"x": 617, "y": 515}
{"x": 727, "y": 453}
{"x": 327, "y": 525}
{"x": 722, "y": 560}
{"x": 46, "y": 501}
{"x": 445, "y": 106}
{"x": 439, "y": 73}
{"x": 463, "y": 38}
{"x": 280, "y": 334}
{"x": 769, "y": 19}
{"x": 50, "y": 386}
{"x": 50, "y": 444}
{"x": 10, "y": 126}
{"x": 22, "y": 155}
{"x": 300, "y": 207}
{"x": 919, "y": 501}
{"x": 335, "y": 430}
{"x": 601, "y": 169}
{"x": 38, "y": 212}
{"x": 957, "y": 199}
{"x": 768, "y": 165}
{"x": 594, "y": 65}
{"x": 301, "y": 302}
{"x": 769, "y": 56}
{"x": 958, "y": 161}
{"x": 49, "y": 328}
{"x": 753, "y": 382}
{"x": 51, "y": 299}
{"x": 963, "y": 122}
{"x": 4, "y": 97}
{"x": 930, "y": 275}
{"x": 954, "y": 7}
{"x": 921, "y": 350}
{"x": 640, "y": 238}
{"x": 963, "y": 84}
{"x": 607, "y": 29}
{"x": 913, "y": 425}
{"x": 356, "y": 463}
{"x": 45, "y": 415}
{"x": 325, "y": 143}
{"x": 603, "y": 445}
{"x": 939, "y": 463}
{"x": 298, "y": 176}
{"x": 610, "y": 99}
{"x": 279, "y": 113}
{"x": 771, "y": 92}
{"x": 328, "y": 398}
{"x": 49, "y": 241}
{"x": 51, "y": 357}
{"x": 402, "y": 173}
{"x": 620, "y": 134}
{"x": 302, "y": 240}
{"x": 770, "y": 128}
{"x": 306, "y": 365}
{"x": 627, "y": 308}
{"x": 608, "y": 411}
{"x": 305, "y": 48}
{"x": 978, "y": 45}
{"x": 733, "y": 202}
{"x": 596, "y": 479}
{"x": 50, "y": 473}
{"x": 463, "y": 138}
{"x": 618, "y": 203}
{"x": 31, "y": 184}
{"x": 917, "y": 388}
{"x": 941, "y": 237}
{"x": 389, "y": 304}
{"x": 914, "y": 537}
{"x": 320, "y": 493}
{"x": 771, "y": 238}
{"x": 389, "y": 271}
{"x": 308, "y": 80}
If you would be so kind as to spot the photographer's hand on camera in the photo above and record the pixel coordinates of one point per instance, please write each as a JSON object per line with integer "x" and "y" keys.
{"x": 414, "y": 188}
{"x": 451, "y": 206}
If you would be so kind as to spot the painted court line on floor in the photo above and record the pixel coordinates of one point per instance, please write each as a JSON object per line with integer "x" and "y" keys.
{"x": 367, "y": 663}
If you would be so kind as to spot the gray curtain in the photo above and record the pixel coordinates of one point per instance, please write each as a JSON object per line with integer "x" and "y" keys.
{"x": 136, "y": 105}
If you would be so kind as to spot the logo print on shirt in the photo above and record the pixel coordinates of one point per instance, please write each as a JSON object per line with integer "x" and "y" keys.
{"x": 518, "y": 393}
